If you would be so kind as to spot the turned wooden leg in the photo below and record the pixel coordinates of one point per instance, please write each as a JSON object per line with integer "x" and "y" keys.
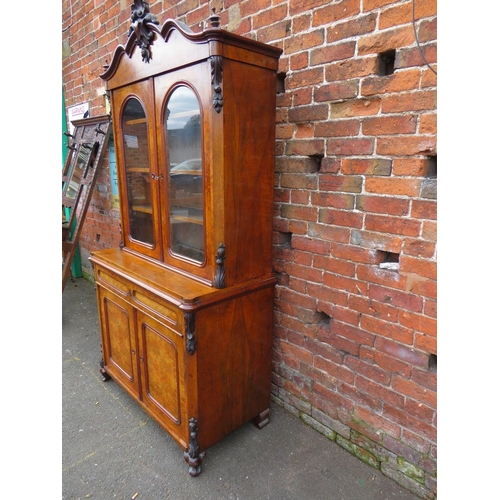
{"x": 105, "y": 377}
{"x": 262, "y": 419}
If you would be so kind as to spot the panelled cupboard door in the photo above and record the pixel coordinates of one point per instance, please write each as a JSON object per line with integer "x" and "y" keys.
{"x": 133, "y": 109}
{"x": 185, "y": 146}
{"x": 119, "y": 342}
{"x": 162, "y": 358}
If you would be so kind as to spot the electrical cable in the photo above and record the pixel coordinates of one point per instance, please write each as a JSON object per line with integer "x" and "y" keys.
{"x": 416, "y": 37}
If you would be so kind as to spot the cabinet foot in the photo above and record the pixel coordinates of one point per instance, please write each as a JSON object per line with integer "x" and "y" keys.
{"x": 105, "y": 377}
{"x": 262, "y": 419}
{"x": 192, "y": 455}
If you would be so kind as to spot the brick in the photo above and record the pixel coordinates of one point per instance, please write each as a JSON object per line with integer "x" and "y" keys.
{"x": 355, "y": 108}
{"x": 406, "y": 146}
{"x": 308, "y": 113}
{"x": 269, "y": 16}
{"x": 418, "y": 322}
{"x": 302, "y": 97}
{"x": 398, "y": 351}
{"x": 429, "y": 189}
{"x": 336, "y": 91}
{"x": 353, "y": 334}
{"x": 331, "y": 165}
{"x": 313, "y": 76}
{"x": 389, "y": 125}
{"x": 359, "y": 397}
{"x": 353, "y": 253}
{"x": 348, "y": 184}
{"x": 425, "y": 268}
{"x": 306, "y": 41}
{"x": 299, "y": 181}
{"x": 419, "y": 248}
{"x": 350, "y": 146}
{"x": 392, "y": 331}
{"x": 414, "y": 391}
{"x": 295, "y": 165}
{"x": 343, "y": 283}
{"x": 376, "y": 241}
{"x": 328, "y": 232}
{"x": 373, "y": 274}
{"x": 332, "y": 53}
{"x": 400, "y": 81}
{"x": 337, "y": 266}
{"x": 369, "y": 371}
{"x": 359, "y": 26}
{"x": 338, "y": 313}
{"x": 421, "y": 209}
{"x": 351, "y": 68}
{"x": 366, "y": 166}
{"x": 422, "y": 286}
{"x": 386, "y": 40}
{"x": 277, "y": 31}
{"x": 428, "y": 124}
{"x": 426, "y": 343}
{"x": 303, "y": 147}
{"x": 299, "y": 6}
{"x": 407, "y": 58}
{"x": 297, "y": 352}
{"x": 372, "y": 308}
{"x": 327, "y": 293}
{"x": 310, "y": 245}
{"x": 386, "y": 361}
{"x": 335, "y": 11}
{"x": 393, "y": 225}
{"x": 396, "y": 298}
{"x": 340, "y": 218}
{"x": 333, "y": 200}
{"x": 410, "y": 167}
{"x": 423, "y": 100}
{"x": 375, "y": 4}
{"x": 376, "y": 422}
{"x": 392, "y": 186}
{"x": 341, "y": 128}
{"x": 383, "y": 205}
{"x": 298, "y": 212}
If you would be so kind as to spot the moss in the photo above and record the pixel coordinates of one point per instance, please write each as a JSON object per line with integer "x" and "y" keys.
{"x": 355, "y": 450}
{"x": 410, "y": 470}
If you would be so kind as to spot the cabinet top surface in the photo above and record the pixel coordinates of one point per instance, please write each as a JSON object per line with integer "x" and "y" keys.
{"x": 179, "y": 289}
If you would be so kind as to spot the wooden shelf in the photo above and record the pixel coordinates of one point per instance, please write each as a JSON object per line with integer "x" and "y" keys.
{"x": 146, "y": 208}
{"x": 192, "y": 219}
{"x": 139, "y": 170}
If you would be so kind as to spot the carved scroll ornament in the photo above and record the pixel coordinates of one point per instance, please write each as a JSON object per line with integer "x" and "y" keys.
{"x": 216, "y": 71}
{"x": 139, "y": 19}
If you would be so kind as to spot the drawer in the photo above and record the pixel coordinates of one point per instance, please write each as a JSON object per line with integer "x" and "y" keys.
{"x": 112, "y": 281}
{"x": 156, "y": 306}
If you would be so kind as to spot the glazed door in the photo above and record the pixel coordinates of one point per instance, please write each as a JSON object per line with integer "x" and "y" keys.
{"x": 162, "y": 358}
{"x": 183, "y": 114}
{"x": 138, "y": 173}
{"x": 119, "y": 343}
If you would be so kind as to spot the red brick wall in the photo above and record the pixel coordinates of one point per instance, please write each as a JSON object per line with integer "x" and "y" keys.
{"x": 355, "y": 187}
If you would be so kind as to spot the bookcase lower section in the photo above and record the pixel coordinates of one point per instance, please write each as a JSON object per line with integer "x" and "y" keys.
{"x": 199, "y": 364}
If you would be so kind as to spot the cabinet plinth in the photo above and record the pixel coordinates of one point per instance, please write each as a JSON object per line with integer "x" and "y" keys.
{"x": 186, "y": 304}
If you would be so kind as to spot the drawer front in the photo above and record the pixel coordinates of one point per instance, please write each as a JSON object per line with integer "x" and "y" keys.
{"x": 158, "y": 307}
{"x": 112, "y": 281}
{"x": 141, "y": 298}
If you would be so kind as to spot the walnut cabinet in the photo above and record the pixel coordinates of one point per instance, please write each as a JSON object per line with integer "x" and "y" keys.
{"x": 186, "y": 302}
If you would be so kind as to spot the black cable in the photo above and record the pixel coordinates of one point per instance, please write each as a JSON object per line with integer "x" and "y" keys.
{"x": 416, "y": 37}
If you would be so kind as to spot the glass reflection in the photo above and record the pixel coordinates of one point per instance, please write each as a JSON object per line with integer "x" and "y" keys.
{"x": 183, "y": 129}
{"x": 135, "y": 142}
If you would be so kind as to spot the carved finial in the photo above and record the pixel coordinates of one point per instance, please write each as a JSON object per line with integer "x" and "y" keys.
{"x": 214, "y": 19}
{"x": 139, "y": 19}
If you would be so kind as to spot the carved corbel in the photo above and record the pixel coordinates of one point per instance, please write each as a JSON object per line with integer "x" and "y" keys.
{"x": 190, "y": 339}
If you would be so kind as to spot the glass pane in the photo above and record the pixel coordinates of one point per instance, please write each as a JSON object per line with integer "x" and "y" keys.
{"x": 135, "y": 141}
{"x": 82, "y": 158}
{"x": 182, "y": 125}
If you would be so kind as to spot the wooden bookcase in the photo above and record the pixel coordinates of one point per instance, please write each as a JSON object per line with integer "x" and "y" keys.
{"x": 186, "y": 303}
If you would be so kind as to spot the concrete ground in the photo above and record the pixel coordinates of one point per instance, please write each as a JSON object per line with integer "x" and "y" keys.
{"x": 113, "y": 450}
